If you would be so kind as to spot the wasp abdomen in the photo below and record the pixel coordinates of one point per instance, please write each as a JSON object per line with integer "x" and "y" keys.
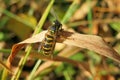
{"x": 48, "y": 44}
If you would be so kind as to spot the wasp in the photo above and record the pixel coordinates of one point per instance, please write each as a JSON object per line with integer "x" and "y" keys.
{"x": 48, "y": 43}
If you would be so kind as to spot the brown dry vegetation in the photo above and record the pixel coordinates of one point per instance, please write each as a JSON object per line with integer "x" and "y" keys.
{"x": 87, "y": 48}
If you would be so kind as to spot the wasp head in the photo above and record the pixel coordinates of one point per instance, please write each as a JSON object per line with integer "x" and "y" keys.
{"x": 55, "y": 27}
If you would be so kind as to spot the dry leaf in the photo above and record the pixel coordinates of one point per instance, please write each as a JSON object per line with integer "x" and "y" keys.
{"x": 83, "y": 66}
{"x": 16, "y": 47}
{"x": 55, "y": 61}
{"x": 5, "y": 66}
{"x": 64, "y": 53}
{"x": 91, "y": 42}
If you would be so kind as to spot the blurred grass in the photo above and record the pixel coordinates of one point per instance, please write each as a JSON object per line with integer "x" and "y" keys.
{"x": 78, "y": 25}
{"x": 115, "y": 26}
{"x": 73, "y": 7}
{"x": 89, "y": 17}
{"x": 11, "y": 15}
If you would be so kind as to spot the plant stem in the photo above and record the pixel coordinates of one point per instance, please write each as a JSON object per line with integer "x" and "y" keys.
{"x": 31, "y": 76}
{"x": 89, "y": 17}
{"x": 29, "y": 48}
{"x": 73, "y": 7}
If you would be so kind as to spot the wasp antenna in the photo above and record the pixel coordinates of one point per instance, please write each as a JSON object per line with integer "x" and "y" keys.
{"x": 52, "y": 11}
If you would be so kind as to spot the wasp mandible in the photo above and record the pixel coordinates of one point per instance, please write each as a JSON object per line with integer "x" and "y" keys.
{"x": 48, "y": 43}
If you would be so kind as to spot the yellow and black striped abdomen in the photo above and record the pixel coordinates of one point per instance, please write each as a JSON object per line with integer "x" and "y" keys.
{"x": 48, "y": 44}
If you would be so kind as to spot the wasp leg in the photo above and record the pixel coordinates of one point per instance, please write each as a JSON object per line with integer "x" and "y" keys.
{"x": 40, "y": 46}
{"x": 52, "y": 51}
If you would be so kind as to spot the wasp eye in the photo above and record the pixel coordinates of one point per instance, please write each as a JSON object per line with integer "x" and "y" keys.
{"x": 52, "y": 31}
